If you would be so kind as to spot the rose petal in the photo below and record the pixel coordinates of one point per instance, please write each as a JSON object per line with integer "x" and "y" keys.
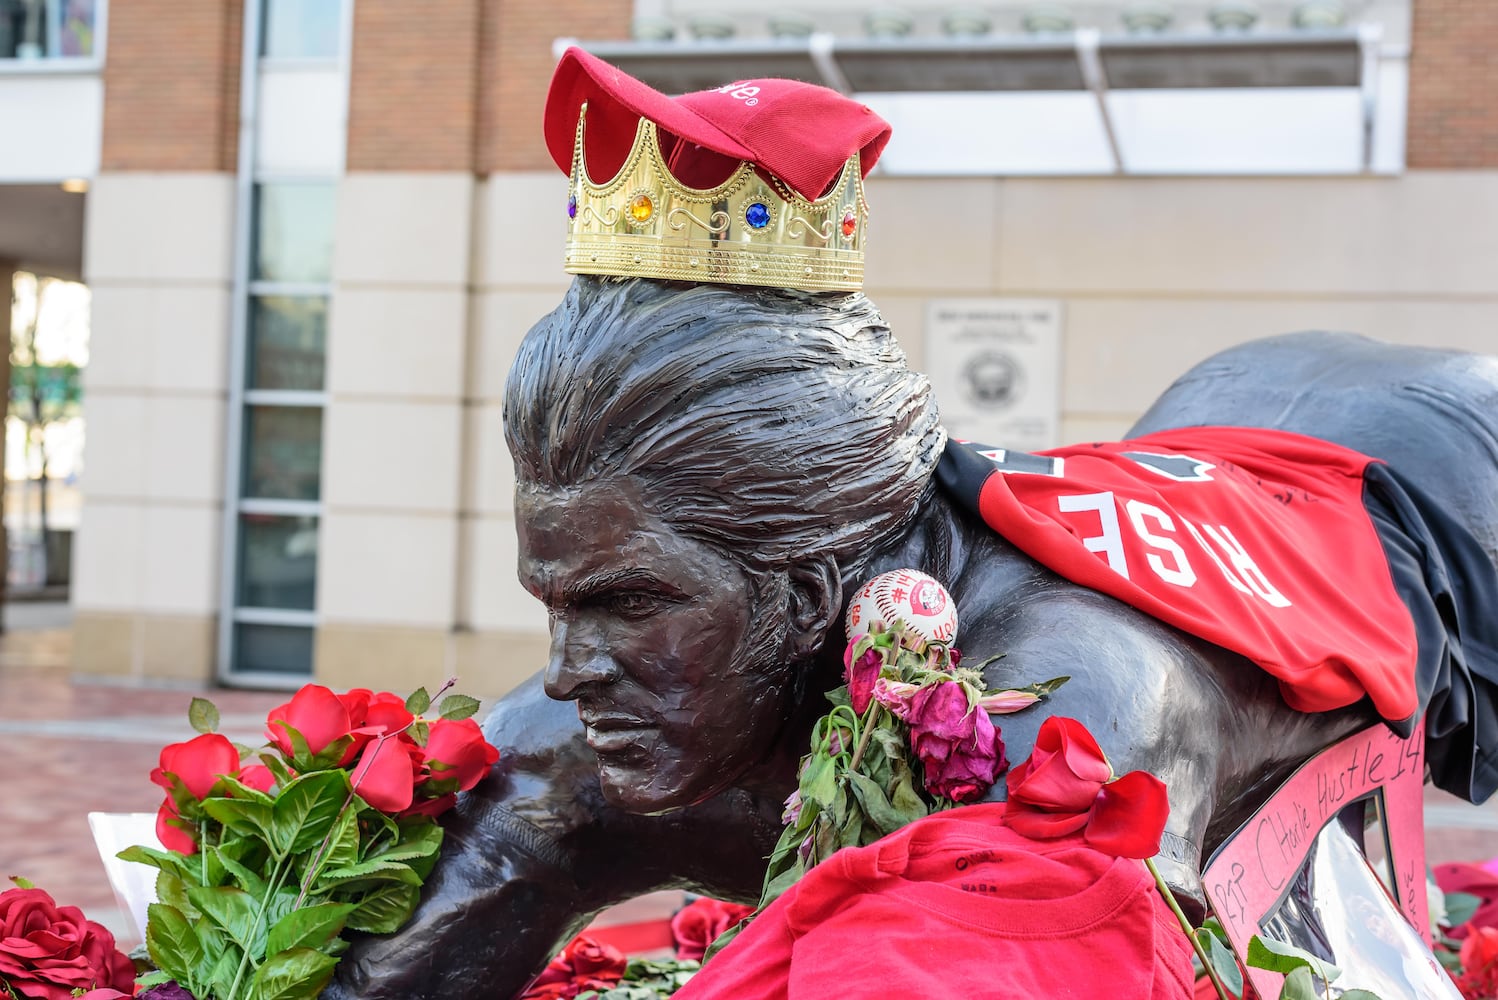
{"x": 1129, "y": 816}
{"x": 386, "y": 774}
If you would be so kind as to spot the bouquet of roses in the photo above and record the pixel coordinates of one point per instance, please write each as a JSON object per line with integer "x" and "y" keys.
{"x": 910, "y": 733}
{"x": 271, "y": 854}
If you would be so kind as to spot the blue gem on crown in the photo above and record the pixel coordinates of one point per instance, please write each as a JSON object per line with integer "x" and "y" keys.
{"x": 757, "y": 215}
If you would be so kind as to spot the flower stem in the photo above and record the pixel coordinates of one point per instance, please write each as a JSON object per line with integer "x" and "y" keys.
{"x": 1196, "y": 946}
{"x": 863, "y": 739}
{"x": 283, "y": 865}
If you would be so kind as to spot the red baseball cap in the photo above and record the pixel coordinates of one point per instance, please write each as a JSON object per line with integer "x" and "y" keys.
{"x": 800, "y": 132}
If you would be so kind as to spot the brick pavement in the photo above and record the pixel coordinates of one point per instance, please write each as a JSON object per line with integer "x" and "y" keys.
{"x": 71, "y": 748}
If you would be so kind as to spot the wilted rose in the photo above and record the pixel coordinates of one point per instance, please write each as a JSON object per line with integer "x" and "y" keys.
{"x": 698, "y": 924}
{"x": 895, "y": 696}
{"x": 961, "y": 750}
{"x": 861, "y": 672}
{"x": 1067, "y": 785}
{"x": 791, "y": 815}
{"x": 49, "y": 951}
{"x": 169, "y": 990}
{"x": 1479, "y": 955}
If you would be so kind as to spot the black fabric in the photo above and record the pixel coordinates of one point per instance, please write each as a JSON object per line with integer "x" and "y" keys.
{"x": 1450, "y": 585}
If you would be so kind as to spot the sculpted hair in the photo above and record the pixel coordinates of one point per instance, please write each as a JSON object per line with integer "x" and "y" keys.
{"x": 770, "y": 424}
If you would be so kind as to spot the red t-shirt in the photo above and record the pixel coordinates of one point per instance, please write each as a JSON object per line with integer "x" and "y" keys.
{"x": 1255, "y": 540}
{"x": 957, "y": 906}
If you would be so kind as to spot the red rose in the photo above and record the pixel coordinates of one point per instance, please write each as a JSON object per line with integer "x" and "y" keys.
{"x": 698, "y": 924}
{"x": 1479, "y": 954}
{"x": 1067, "y": 785}
{"x": 199, "y": 763}
{"x": 583, "y": 965}
{"x": 457, "y": 749}
{"x": 318, "y": 714}
{"x": 171, "y": 830}
{"x": 962, "y": 752}
{"x": 387, "y": 772}
{"x": 861, "y": 673}
{"x": 48, "y": 951}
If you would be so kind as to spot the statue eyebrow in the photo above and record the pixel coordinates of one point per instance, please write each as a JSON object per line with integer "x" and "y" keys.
{"x": 600, "y": 583}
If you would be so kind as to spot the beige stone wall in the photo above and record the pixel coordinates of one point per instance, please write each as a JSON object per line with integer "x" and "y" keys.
{"x": 146, "y": 562}
{"x": 1154, "y": 275}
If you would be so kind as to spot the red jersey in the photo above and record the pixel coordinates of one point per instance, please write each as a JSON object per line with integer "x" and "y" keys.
{"x": 1255, "y": 540}
{"x": 955, "y": 905}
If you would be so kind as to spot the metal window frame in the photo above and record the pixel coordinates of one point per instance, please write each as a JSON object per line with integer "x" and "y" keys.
{"x": 244, "y": 288}
{"x": 65, "y": 65}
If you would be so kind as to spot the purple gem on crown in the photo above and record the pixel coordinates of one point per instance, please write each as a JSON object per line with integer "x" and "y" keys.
{"x": 572, "y": 206}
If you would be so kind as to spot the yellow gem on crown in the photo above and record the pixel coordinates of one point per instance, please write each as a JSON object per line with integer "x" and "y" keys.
{"x": 752, "y": 229}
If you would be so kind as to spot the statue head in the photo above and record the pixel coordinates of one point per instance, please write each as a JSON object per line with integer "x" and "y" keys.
{"x": 700, "y": 472}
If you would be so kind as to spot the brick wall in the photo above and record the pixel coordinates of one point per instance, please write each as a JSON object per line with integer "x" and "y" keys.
{"x": 413, "y": 86}
{"x": 515, "y": 67}
{"x": 1453, "y": 115}
{"x": 171, "y": 85}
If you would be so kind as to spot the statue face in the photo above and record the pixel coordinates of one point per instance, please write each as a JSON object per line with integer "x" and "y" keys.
{"x": 680, "y": 678}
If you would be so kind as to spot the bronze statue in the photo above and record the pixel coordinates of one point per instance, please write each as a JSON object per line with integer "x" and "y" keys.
{"x": 707, "y": 471}
{"x": 704, "y": 476}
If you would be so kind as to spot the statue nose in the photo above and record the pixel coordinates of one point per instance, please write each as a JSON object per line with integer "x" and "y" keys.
{"x": 578, "y": 658}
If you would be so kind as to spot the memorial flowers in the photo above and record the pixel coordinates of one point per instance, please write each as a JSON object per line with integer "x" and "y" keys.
{"x": 51, "y": 952}
{"x": 272, "y": 853}
{"x": 910, "y": 733}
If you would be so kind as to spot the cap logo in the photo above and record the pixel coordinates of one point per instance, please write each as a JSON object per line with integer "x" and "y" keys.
{"x": 742, "y": 91}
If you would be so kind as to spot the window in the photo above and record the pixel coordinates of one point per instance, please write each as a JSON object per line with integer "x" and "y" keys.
{"x": 302, "y": 29}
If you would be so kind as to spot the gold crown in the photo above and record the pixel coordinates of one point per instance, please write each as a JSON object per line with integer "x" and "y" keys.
{"x": 750, "y": 230}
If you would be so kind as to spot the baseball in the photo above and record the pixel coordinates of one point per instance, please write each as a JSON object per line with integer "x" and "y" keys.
{"x": 909, "y": 595}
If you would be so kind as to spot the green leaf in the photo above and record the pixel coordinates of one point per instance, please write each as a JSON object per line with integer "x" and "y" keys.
{"x": 153, "y": 978}
{"x": 1223, "y": 962}
{"x": 250, "y": 881}
{"x": 171, "y": 943}
{"x": 419, "y": 839}
{"x": 22, "y": 882}
{"x": 419, "y": 701}
{"x": 386, "y": 909}
{"x": 1459, "y": 907}
{"x": 298, "y": 974}
{"x": 373, "y": 870}
{"x": 306, "y": 809}
{"x": 309, "y": 927}
{"x": 1276, "y": 956}
{"x": 819, "y": 783}
{"x": 1300, "y": 985}
{"x": 167, "y": 861}
{"x": 331, "y": 756}
{"x": 343, "y": 844}
{"x": 875, "y": 805}
{"x": 170, "y": 889}
{"x": 203, "y": 714}
{"x": 232, "y": 910}
{"x": 235, "y": 788}
{"x": 457, "y": 706}
{"x": 301, "y": 753}
{"x": 277, "y": 767}
{"x": 243, "y": 816}
{"x": 221, "y": 974}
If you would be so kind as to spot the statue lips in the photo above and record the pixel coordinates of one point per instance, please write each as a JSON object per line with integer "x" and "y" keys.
{"x": 613, "y": 733}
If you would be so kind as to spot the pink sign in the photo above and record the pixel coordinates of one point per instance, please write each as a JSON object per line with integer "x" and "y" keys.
{"x": 1278, "y": 873}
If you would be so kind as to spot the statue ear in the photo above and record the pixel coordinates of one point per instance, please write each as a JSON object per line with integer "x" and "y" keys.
{"x": 816, "y": 596}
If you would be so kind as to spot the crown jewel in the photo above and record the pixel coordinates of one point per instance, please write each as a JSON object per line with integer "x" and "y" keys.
{"x": 749, "y": 230}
